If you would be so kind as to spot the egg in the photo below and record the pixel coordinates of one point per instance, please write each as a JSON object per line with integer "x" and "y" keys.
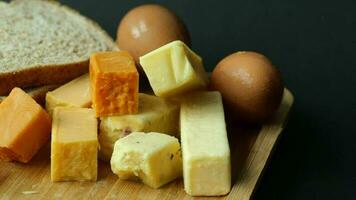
{"x": 149, "y": 27}
{"x": 250, "y": 85}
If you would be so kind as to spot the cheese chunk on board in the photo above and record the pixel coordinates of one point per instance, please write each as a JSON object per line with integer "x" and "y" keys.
{"x": 24, "y": 127}
{"x": 153, "y": 158}
{"x": 174, "y": 69}
{"x": 74, "y": 145}
{"x": 155, "y": 114}
{"x": 205, "y": 147}
{"x": 114, "y": 83}
{"x": 75, "y": 93}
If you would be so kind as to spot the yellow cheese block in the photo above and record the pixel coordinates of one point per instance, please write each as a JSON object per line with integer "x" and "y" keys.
{"x": 74, "y": 145}
{"x": 174, "y": 69}
{"x": 153, "y": 158}
{"x": 24, "y": 127}
{"x": 205, "y": 147}
{"x": 155, "y": 114}
{"x": 75, "y": 93}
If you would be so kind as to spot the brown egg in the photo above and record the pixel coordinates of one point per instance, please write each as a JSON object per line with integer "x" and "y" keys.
{"x": 249, "y": 84}
{"x": 149, "y": 27}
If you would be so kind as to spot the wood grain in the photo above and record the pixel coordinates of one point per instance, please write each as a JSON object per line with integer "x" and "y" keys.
{"x": 250, "y": 149}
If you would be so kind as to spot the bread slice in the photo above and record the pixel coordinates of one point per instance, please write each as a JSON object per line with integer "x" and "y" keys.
{"x": 44, "y": 43}
{"x": 37, "y": 93}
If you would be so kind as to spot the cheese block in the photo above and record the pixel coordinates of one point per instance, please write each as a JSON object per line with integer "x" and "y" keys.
{"x": 75, "y": 93}
{"x": 24, "y": 127}
{"x": 74, "y": 145}
{"x": 153, "y": 158}
{"x": 205, "y": 147}
{"x": 114, "y": 83}
{"x": 155, "y": 114}
{"x": 174, "y": 69}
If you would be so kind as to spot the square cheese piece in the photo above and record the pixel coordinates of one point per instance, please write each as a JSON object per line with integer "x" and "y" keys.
{"x": 174, "y": 69}
{"x": 205, "y": 147}
{"x": 155, "y": 114}
{"x": 24, "y": 127}
{"x": 74, "y": 145}
{"x": 114, "y": 83}
{"x": 153, "y": 158}
{"x": 75, "y": 93}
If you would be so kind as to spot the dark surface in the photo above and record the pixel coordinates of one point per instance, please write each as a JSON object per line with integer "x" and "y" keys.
{"x": 313, "y": 44}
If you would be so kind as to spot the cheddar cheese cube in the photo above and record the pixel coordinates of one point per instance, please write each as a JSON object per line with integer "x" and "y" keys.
{"x": 174, "y": 69}
{"x": 24, "y": 127}
{"x": 153, "y": 158}
{"x": 155, "y": 114}
{"x": 114, "y": 83}
{"x": 75, "y": 93}
{"x": 74, "y": 145}
{"x": 205, "y": 147}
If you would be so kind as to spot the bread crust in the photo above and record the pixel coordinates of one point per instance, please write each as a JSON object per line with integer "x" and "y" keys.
{"x": 42, "y": 75}
{"x": 39, "y": 93}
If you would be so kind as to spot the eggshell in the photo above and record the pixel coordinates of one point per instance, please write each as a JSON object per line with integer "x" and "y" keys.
{"x": 149, "y": 27}
{"x": 250, "y": 84}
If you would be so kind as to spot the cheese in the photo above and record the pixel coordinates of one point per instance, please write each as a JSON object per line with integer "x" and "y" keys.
{"x": 153, "y": 158}
{"x": 205, "y": 147}
{"x": 174, "y": 69}
{"x": 155, "y": 114}
{"x": 75, "y": 93}
{"x": 24, "y": 127}
{"x": 114, "y": 83}
{"x": 74, "y": 145}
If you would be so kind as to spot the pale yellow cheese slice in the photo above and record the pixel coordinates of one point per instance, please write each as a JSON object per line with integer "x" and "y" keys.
{"x": 153, "y": 158}
{"x": 155, "y": 114}
{"x": 174, "y": 69}
{"x": 205, "y": 147}
{"x": 75, "y": 93}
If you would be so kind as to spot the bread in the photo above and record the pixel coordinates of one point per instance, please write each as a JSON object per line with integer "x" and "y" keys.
{"x": 43, "y": 43}
{"x": 37, "y": 93}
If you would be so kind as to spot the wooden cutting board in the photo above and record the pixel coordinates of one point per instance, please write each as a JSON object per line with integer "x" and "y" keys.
{"x": 250, "y": 150}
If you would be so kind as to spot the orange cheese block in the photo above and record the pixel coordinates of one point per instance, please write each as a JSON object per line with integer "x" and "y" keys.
{"x": 24, "y": 127}
{"x": 114, "y": 83}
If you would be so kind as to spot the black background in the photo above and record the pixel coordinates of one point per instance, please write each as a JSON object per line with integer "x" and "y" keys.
{"x": 313, "y": 44}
